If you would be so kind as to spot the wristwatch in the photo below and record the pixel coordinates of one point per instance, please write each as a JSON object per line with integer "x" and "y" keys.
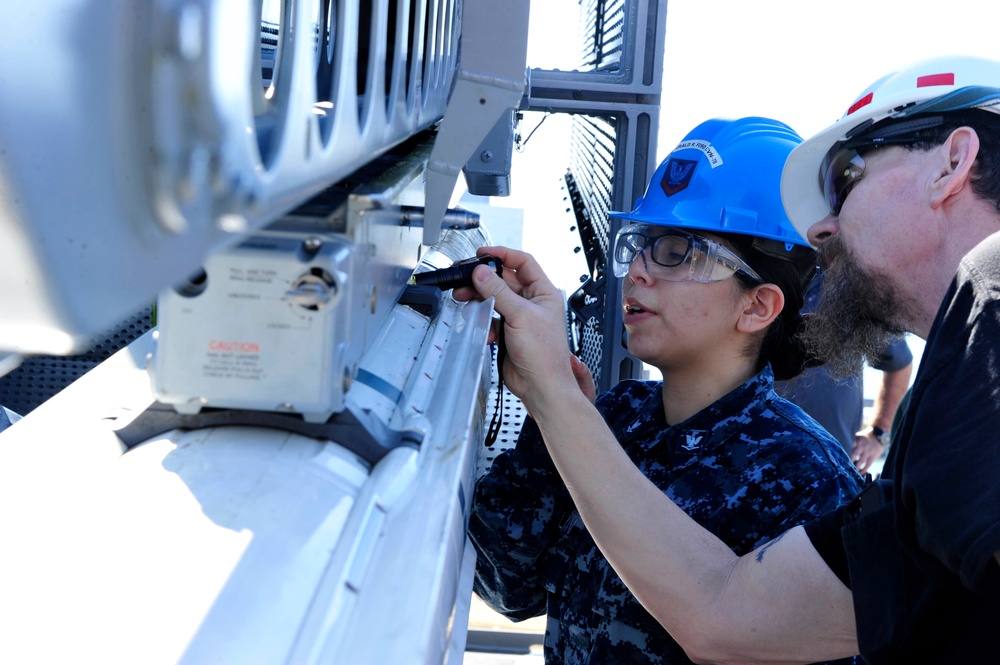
{"x": 880, "y": 434}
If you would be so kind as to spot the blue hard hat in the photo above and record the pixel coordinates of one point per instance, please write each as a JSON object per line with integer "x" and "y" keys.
{"x": 724, "y": 177}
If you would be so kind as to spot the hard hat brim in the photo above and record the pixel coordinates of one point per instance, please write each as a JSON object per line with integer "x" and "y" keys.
{"x": 801, "y": 180}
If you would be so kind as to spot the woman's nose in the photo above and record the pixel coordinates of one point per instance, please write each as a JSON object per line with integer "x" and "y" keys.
{"x": 638, "y": 270}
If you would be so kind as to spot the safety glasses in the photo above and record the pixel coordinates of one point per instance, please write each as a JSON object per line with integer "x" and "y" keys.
{"x": 843, "y": 166}
{"x": 840, "y": 172}
{"x": 676, "y": 256}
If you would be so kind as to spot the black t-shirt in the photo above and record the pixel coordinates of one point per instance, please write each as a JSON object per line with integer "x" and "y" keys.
{"x": 921, "y": 568}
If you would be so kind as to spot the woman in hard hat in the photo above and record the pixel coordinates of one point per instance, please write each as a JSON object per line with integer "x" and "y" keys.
{"x": 713, "y": 276}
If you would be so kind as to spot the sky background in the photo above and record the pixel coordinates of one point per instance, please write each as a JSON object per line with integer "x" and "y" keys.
{"x": 801, "y": 62}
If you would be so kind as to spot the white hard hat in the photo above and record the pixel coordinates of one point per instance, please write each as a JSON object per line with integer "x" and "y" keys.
{"x": 937, "y": 85}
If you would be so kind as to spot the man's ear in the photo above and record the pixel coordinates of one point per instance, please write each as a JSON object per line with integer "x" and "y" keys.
{"x": 763, "y": 304}
{"x": 953, "y": 165}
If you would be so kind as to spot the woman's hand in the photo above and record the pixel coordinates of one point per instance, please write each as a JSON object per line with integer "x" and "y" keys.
{"x": 539, "y": 363}
{"x": 584, "y": 378}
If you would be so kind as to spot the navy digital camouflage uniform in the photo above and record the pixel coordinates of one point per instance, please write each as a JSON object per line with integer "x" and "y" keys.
{"x": 747, "y": 468}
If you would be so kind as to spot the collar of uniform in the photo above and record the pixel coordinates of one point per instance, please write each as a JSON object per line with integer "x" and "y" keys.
{"x": 716, "y": 423}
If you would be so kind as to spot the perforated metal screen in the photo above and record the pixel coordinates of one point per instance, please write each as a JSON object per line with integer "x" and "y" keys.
{"x": 40, "y": 377}
{"x": 513, "y": 415}
{"x": 590, "y": 182}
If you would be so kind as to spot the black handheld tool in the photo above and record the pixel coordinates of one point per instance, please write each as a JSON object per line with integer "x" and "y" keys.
{"x": 457, "y": 274}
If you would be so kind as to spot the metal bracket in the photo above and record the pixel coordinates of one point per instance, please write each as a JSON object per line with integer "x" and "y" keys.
{"x": 366, "y": 437}
{"x": 490, "y": 80}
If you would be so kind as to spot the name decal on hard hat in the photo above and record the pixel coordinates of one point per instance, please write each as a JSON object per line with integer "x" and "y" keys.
{"x": 705, "y": 148}
{"x": 677, "y": 175}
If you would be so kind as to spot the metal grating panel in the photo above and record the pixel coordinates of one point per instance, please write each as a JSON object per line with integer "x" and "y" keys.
{"x": 615, "y": 97}
{"x": 39, "y": 378}
{"x": 590, "y": 183}
{"x": 592, "y": 347}
{"x": 514, "y": 414}
{"x": 602, "y": 25}
{"x": 592, "y": 155}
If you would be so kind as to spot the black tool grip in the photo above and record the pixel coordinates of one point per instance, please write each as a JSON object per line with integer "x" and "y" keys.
{"x": 458, "y": 274}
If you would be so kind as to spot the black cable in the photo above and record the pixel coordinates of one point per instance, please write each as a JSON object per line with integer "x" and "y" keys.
{"x": 497, "y": 420}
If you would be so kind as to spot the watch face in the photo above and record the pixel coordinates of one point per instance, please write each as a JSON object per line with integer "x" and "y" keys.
{"x": 881, "y": 435}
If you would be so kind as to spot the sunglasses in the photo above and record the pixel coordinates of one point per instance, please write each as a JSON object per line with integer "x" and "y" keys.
{"x": 844, "y": 165}
{"x": 840, "y": 173}
{"x": 676, "y": 256}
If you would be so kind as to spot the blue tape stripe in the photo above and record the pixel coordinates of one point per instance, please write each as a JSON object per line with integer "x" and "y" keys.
{"x": 379, "y": 384}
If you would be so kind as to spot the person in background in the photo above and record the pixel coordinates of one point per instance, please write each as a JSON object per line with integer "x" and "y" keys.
{"x": 837, "y": 402}
{"x": 713, "y": 277}
{"x": 902, "y": 197}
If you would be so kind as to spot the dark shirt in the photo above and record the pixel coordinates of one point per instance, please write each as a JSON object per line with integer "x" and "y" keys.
{"x": 921, "y": 563}
{"x": 747, "y": 468}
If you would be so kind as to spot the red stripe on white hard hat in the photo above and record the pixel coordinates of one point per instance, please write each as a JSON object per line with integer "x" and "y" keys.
{"x": 864, "y": 101}
{"x": 935, "y": 79}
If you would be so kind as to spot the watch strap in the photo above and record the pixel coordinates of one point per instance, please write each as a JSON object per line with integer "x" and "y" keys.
{"x": 880, "y": 434}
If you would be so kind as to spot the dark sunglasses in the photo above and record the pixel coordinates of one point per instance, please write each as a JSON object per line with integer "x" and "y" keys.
{"x": 844, "y": 164}
{"x": 839, "y": 173}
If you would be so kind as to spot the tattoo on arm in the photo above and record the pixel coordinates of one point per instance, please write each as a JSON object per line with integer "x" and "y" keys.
{"x": 765, "y": 546}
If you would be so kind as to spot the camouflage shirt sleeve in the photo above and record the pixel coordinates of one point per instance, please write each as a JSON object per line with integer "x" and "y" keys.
{"x": 515, "y": 514}
{"x": 746, "y": 468}
{"x": 521, "y": 507}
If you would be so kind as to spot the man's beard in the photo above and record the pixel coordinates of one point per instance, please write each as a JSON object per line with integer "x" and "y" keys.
{"x": 859, "y": 314}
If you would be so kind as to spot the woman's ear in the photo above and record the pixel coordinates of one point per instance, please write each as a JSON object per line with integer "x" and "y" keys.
{"x": 761, "y": 306}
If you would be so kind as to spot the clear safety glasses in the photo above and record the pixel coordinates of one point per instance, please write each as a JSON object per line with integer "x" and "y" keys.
{"x": 676, "y": 256}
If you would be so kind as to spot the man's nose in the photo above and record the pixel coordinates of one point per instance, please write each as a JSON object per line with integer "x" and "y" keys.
{"x": 823, "y": 230}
